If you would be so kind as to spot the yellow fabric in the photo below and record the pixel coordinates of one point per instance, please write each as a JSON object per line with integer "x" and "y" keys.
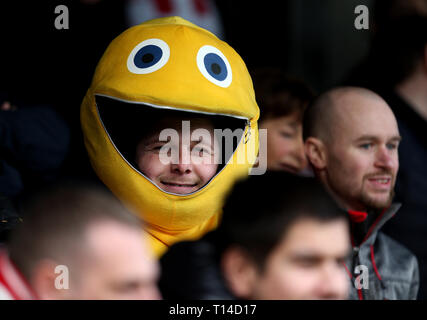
{"x": 179, "y": 84}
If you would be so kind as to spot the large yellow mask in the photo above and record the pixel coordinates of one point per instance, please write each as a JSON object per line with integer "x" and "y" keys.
{"x": 169, "y": 64}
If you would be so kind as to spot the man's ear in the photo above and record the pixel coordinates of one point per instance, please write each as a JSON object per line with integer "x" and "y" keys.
{"x": 44, "y": 281}
{"x": 239, "y": 272}
{"x": 316, "y": 152}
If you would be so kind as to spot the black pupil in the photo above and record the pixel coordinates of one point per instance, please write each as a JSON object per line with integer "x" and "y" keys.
{"x": 216, "y": 68}
{"x": 148, "y": 57}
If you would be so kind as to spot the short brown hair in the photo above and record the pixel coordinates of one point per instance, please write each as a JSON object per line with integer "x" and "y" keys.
{"x": 56, "y": 220}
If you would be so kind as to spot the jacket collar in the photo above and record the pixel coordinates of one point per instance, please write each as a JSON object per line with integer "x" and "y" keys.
{"x": 377, "y": 224}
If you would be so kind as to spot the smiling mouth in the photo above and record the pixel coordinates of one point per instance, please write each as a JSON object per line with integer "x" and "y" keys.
{"x": 173, "y": 184}
{"x": 380, "y": 182}
{"x": 179, "y": 188}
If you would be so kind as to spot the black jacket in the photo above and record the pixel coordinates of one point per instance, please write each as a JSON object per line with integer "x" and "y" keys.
{"x": 190, "y": 270}
{"x": 409, "y": 227}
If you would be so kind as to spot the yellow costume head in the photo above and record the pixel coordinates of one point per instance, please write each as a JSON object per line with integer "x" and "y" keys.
{"x": 163, "y": 65}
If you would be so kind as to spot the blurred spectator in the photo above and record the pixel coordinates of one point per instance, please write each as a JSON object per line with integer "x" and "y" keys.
{"x": 78, "y": 242}
{"x": 385, "y": 12}
{"x": 203, "y": 13}
{"x": 400, "y": 77}
{"x": 45, "y": 66}
{"x": 352, "y": 138}
{"x": 34, "y": 142}
{"x": 9, "y": 218}
{"x": 377, "y": 70}
{"x": 289, "y": 242}
{"x": 282, "y": 101}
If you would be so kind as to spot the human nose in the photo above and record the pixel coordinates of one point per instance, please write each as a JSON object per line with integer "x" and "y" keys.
{"x": 384, "y": 158}
{"x": 334, "y": 285}
{"x": 184, "y": 164}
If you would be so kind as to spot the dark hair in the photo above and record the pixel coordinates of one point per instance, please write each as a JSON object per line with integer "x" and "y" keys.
{"x": 398, "y": 48}
{"x": 55, "y": 222}
{"x": 260, "y": 210}
{"x": 278, "y": 94}
{"x": 386, "y": 11}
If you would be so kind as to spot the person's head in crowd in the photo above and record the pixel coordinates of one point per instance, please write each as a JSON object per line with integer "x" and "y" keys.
{"x": 87, "y": 231}
{"x": 351, "y": 139}
{"x": 400, "y": 52}
{"x": 282, "y": 101}
{"x": 169, "y": 68}
{"x": 180, "y": 164}
{"x": 386, "y": 12}
{"x": 289, "y": 242}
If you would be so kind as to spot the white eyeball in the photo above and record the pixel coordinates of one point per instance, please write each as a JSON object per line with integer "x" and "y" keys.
{"x": 148, "y": 56}
{"x": 214, "y": 66}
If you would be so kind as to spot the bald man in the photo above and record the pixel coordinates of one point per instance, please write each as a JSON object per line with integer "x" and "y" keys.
{"x": 351, "y": 140}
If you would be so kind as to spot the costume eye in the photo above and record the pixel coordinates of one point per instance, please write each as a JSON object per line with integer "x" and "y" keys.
{"x": 214, "y": 66}
{"x": 148, "y": 56}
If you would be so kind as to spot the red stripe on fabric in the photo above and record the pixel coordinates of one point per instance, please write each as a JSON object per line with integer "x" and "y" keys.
{"x": 359, "y": 292}
{"x": 12, "y": 278}
{"x": 200, "y": 6}
{"x": 348, "y": 271}
{"x": 164, "y": 6}
{"x": 24, "y": 281}
{"x": 374, "y": 224}
{"x": 357, "y": 216}
{"x": 374, "y": 264}
{"x": 8, "y": 287}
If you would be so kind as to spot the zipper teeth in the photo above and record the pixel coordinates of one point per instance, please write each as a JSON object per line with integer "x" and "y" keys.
{"x": 173, "y": 108}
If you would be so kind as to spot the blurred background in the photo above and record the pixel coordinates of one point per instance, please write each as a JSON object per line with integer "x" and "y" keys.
{"x": 42, "y": 66}
{"x": 314, "y": 40}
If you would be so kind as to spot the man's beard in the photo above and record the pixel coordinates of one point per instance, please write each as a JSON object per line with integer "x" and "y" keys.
{"x": 372, "y": 203}
{"x": 360, "y": 199}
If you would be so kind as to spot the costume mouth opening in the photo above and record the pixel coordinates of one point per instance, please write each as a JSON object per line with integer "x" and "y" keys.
{"x": 126, "y": 123}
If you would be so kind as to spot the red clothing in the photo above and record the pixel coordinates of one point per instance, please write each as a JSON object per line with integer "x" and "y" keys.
{"x": 12, "y": 284}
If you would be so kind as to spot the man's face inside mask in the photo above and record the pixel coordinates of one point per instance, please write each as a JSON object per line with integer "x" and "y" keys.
{"x": 179, "y": 156}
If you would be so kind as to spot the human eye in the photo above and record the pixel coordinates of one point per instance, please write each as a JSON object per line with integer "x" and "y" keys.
{"x": 392, "y": 145}
{"x": 202, "y": 151}
{"x": 128, "y": 287}
{"x": 307, "y": 262}
{"x": 155, "y": 147}
{"x": 366, "y": 145}
{"x": 287, "y": 135}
